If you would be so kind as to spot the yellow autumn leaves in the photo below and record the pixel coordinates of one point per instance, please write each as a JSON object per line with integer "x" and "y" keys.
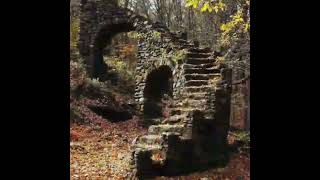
{"x": 217, "y": 6}
{"x": 236, "y": 19}
{"x": 74, "y": 34}
{"x": 206, "y": 5}
{"x": 136, "y": 35}
{"x": 193, "y": 3}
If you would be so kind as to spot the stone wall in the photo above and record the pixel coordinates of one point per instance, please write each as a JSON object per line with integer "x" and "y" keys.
{"x": 152, "y": 54}
{"x": 100, "y": 21}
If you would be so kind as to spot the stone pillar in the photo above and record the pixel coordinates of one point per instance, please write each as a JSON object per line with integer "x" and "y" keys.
{"x": 222, "y": 109}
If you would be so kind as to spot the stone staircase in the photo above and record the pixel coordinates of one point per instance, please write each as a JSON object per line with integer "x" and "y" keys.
{"x": 199, "y": 69}
{"x": 162, "y": 140}
{"x": 198, "y": 102}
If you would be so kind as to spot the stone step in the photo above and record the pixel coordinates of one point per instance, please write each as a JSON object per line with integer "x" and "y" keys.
{"x": 153, "y": 120}
{"x": 151, "y": 140}
{"x": 195, "y": 96}
{"x": 151, "y": 148}
{"x": 163, "y": 128}
{"x": 201, "y": 76}
{"x": 175, "y": 119}
{"x": 185, "y": 110}
{"x": 188, "y": 109}
{"x": 205, "y": 88}
{"x": 187, "y": 46}
{"x": 188, "y": 66}
{"x": 202, "y": 71}
{"x": 196, "y": 82}
{"x": 199, "y": 61}
{"x": 183, "y": 41}
{"x": 185, "y": 106}
{"x": 207, "y": 112}
{"x": 200, "y": 50}
{"x": 198, "y": 55}
{"x": 195, "y": 101}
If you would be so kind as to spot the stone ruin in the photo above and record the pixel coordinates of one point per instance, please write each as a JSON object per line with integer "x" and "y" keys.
{"x": 169, "y": 66}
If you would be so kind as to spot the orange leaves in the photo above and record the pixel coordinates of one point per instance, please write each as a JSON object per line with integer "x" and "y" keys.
{"x": 127, "y": 50}
{"x": 75, "y": 136}
{"x": 158, "y": 157}
{"x": 104, "y": 154}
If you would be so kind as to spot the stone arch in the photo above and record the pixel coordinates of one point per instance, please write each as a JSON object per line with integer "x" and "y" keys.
{"x": 159, "y": 85}
{"x": 101, "y": 39}
{"x": 100, "y": 21}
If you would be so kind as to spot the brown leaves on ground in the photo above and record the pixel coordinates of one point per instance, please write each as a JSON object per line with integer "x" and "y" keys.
{"x": 238, "y": 168}
{"x": 102, "y": 152}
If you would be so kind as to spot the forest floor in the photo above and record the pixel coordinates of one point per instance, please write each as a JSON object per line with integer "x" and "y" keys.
{"x": 101, "y": 150}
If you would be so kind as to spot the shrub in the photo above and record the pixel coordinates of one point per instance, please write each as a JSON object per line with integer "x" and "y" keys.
{"x": 81, "y": 84}
{"x": 74, "y": 114}
{"x": 77, "y": 75}
{"x": 123, "y": 69}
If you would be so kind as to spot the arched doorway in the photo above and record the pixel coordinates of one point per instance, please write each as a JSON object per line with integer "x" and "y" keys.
{"x": 159, "y": 86}
{"x": 102, "y": 39}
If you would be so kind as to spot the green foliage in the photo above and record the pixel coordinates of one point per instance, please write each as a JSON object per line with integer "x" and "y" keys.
{"x": 152, "y": 35}
{"x": 134, "y": 35}
{"x": 179, "y": 55}
{"x": 81, "y": 84}
{"x": 95, "y": 83}
{"x": 123, "y": 69}
{"x": 77, "y": 75}
{"x": 92, "y": 88}
{"x": 116, "y": 63}
{"x": 243, "y": 139}
{"x": 243, "y": 136}
{"x": 75, "y": 115}
{"x": 221, "y": 59}
{"x": 156, "y": 35}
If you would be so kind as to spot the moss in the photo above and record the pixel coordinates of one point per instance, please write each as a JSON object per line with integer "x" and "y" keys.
{"x": 149, "y": 36}
{"x": 179, "y": 56}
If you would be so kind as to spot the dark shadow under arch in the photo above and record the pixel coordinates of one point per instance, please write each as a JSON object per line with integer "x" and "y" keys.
{"x": 158, "y": 85}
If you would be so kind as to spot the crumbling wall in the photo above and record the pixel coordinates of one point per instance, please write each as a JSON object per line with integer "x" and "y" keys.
{"x": 199, "y": 120}
{"x": 157, "y": 46}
